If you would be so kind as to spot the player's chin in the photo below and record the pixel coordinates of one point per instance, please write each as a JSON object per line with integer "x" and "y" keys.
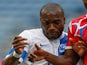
{"x": 53, "y": 36}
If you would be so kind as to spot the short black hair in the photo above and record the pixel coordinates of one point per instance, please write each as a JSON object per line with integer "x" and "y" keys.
{"x": 52, "y": 6}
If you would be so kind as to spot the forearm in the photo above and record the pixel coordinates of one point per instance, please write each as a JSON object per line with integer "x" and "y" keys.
{"x": 10, "y": 61}
{"x": 57, "y": 60}
{"x": 67, "y": 59}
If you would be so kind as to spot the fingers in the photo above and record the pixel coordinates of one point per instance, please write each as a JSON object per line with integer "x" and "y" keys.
{"x": 80, "y": 40}
{"x": 17, "y": 39}
{"x": 37, "y": 47}
{"x": 82, "y": 43}
{"x": 19, "y": 44}
{"x": 38, "y": 50}
{"x": 79, "y": 46}
{"x": 71, "y": 41}
{"x": 32, "y": 57}
{"x": 19, "y": 47}
{"x": 82, "y": 47}
{"x": 82, "y": 50}
{"x": 80, "y": 37}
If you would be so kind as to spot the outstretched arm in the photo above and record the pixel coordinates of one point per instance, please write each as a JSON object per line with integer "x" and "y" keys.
{"x": 69, "y": 57}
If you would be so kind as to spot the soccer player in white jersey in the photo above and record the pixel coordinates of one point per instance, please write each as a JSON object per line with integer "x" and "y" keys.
{"x": 50, "y": 37}
{"x": 77, "y": 35}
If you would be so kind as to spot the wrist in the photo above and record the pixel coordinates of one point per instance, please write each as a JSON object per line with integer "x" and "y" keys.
{"x": 46, "y": 55}
{"x": 16, "y": 55}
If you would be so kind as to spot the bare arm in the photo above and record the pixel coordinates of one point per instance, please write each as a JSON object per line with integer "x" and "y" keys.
{"x": 18, "y": 45}
{"x": 69, "y": 57}
{"x": 11, "y": 60}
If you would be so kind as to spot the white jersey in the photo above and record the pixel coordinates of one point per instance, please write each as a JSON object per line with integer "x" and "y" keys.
{"x": 36, "y": 36}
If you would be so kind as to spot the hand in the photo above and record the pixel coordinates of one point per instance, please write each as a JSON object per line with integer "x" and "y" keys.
{"x": 19, "y": 44}
{"x": 37, "y": 54}
{"x": 80, "y": 46}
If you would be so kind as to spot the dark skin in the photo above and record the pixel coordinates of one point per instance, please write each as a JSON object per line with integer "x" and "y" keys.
{"x": 69, "y": 55}
{"x": 79, "y": 47}
{"x": 52, "y": 23}
{"x": 66, "y": 59}
{"x": 85, "y": 3}
{"x": 18, "y": 44}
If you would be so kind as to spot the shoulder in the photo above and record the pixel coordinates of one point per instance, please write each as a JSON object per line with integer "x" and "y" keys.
{"x": 79, "y": 18}
{"x": 64, "y": 38}
{"x": 30, "y": 33}
{"x": 33, "y": 30}
{"x": 64, "y": 34}
{"x": 77, "y": 22}
{"x": 63, "y": 42}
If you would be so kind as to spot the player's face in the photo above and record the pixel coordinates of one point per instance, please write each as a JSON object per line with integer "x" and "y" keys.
{"x": 85, "y": 3}
{"x": 52, "y": 24}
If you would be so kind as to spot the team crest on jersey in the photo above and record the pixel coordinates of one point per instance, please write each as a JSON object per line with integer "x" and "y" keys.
{"x": 62, "y": 45}
{"x": 62, "y": 48}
